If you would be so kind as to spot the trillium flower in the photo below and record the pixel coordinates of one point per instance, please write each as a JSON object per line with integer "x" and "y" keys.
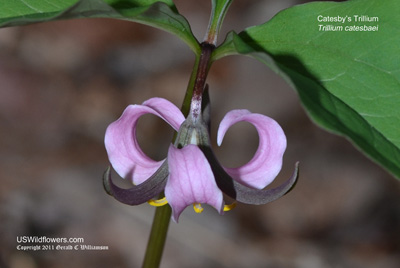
{"x": 191, "y": 174}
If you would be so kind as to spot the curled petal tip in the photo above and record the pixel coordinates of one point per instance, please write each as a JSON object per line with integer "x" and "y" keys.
{"x": 138, "y": 194}
{"x": 266, "y": 163}
{"x": 121, "y": 143}
{"x": 106, "y": 180}
{"x": 293, "y": 180}
{"x": 229, "y": 119}
{"x": 253, "y": 196}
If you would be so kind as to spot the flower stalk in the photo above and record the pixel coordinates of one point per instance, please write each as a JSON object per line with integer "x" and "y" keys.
{"x": 157, "y": 238}
{"x": 198, "y": 78}
{"x": 200, "y": 81}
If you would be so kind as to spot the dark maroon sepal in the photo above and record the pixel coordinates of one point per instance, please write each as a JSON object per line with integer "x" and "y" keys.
{"x": 141, "y": 193}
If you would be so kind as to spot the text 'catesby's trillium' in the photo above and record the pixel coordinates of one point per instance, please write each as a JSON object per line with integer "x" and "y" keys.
{"x": 191, "y": 175}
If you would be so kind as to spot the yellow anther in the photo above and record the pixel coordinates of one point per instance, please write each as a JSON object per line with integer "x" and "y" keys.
{"x": 158, "y": 203}
{"x": 230, "y": 207}
{"x": 197, "y": 208}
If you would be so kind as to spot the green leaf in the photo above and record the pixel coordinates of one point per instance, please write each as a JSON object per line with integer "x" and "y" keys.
{"x": 218, "y": 12}
{"x": 159, "y": 14}
{"x": 348, "y": 81}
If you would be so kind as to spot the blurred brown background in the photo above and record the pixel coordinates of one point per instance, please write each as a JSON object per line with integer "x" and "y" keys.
{"x": 62, "y": 83}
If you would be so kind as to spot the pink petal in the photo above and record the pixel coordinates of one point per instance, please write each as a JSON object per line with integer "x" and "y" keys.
{"x": 266, "y": 163}
{"x": 124, "y": 152}
{"x": 190, "y": 181}
{"x": 167, "y": 111}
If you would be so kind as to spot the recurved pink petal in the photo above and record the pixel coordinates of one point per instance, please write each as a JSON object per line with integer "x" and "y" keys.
{"x": 190, "y": 181}
{"x": 167, "y": 111}
{"x": 266, "y": 163}
{"x": 124, "y": 152}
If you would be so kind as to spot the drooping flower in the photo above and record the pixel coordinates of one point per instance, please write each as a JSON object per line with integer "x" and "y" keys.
{"x": 191, "y": 174}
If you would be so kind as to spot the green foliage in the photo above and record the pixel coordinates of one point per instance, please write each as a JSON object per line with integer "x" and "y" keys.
{"x": 159, "y": 14}
{"x": 218, "y": 12}
{"x": 348, "y": 81}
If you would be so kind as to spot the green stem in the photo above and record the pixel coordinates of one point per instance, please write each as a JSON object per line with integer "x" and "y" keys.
{"x": 198, "y": 77}
{"x": 189, "y": 91}
{"x": 157, "y": 238}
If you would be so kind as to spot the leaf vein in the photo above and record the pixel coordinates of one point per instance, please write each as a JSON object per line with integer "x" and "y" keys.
{"x": 31, "y": 7}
